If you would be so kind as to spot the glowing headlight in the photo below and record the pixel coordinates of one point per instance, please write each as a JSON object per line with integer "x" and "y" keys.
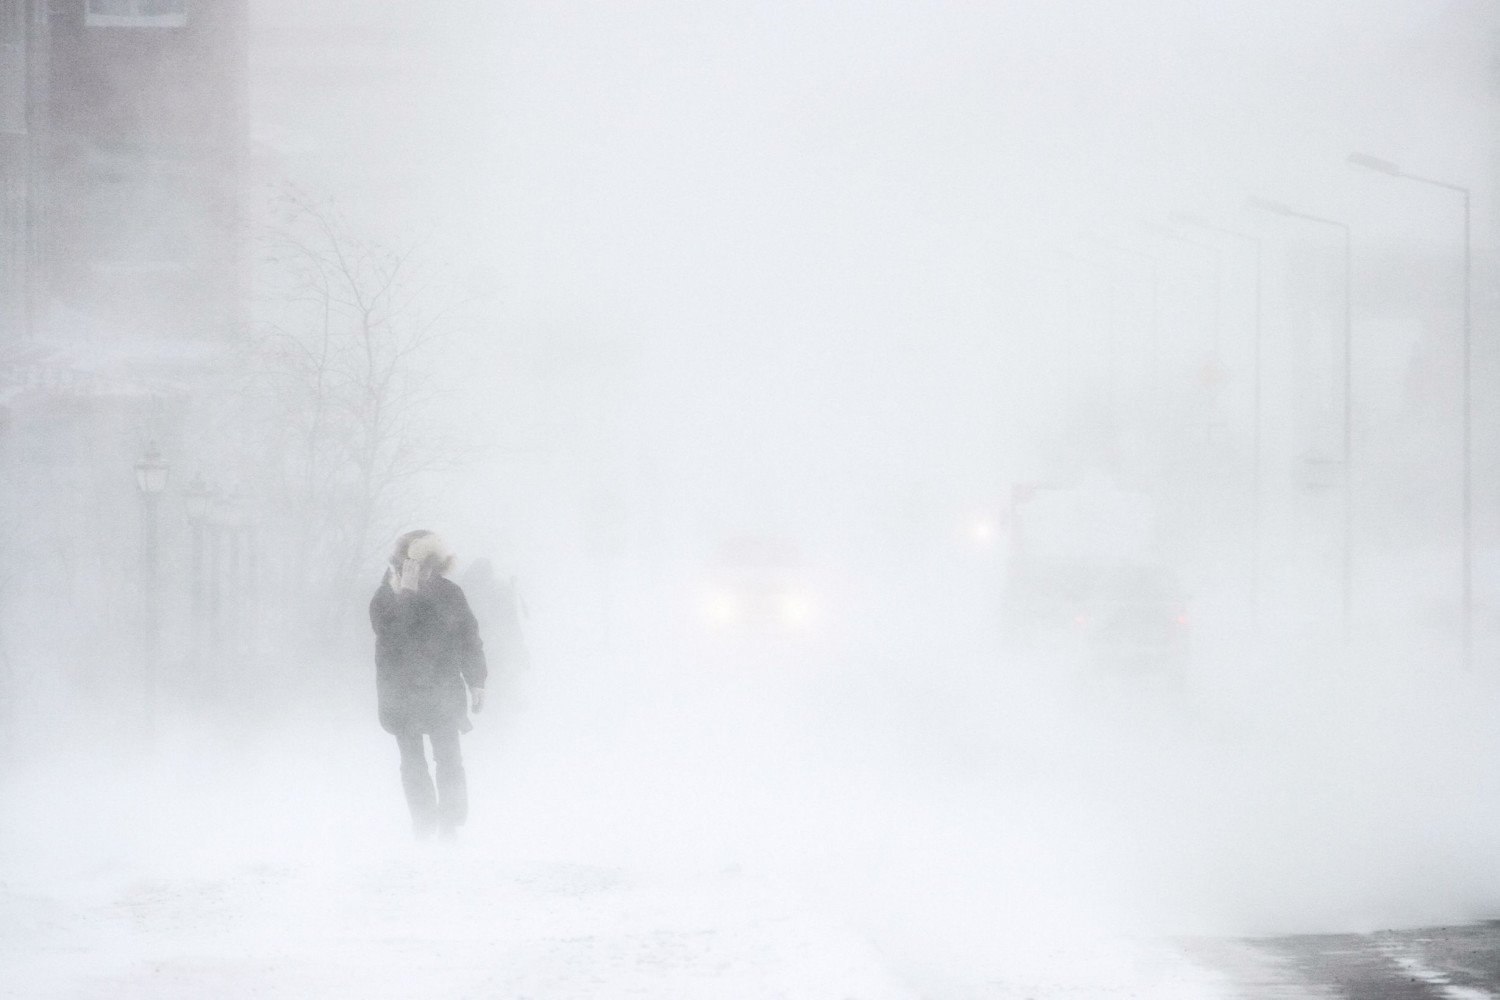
{"x": 722, "y": 609}
{"x": 795, "y": 609}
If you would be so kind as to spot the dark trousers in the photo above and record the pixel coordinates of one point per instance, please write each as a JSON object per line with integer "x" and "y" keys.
{"x": 445, "y": 806}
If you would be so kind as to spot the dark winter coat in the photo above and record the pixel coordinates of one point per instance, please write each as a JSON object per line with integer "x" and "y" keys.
{"x": 426, "y": 648}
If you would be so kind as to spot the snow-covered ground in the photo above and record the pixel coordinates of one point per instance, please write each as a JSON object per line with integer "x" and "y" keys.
{"x": 767, "y": 825}
{"x": 459, "y": 922}
{"x": 452, "y": 923}
{"x": 630, "y": 836}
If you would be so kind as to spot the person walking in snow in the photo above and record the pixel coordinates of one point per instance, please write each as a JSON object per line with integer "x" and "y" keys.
{"x": 497, "y": 602}
{"x": 427, "y": 651}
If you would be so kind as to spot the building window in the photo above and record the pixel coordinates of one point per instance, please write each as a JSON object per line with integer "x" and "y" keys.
{"x": 136, "y": 13}
{"x": 12, "y": 66}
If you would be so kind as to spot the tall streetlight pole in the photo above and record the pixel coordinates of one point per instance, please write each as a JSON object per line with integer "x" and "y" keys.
{"x": 1154, "y": 266}
{"x": 198, "y": 498}
{"x": 1256, "y": 393}
{"x": 150, "y": 481}
{"x": 1286, "y": 211}
{"x": 1390, "y": 169}
{"x": 1210, "y": 369}
{"x": 1168, "y": 233}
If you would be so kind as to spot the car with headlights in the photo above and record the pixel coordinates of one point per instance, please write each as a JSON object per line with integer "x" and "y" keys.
{"x": 757, "y": 584}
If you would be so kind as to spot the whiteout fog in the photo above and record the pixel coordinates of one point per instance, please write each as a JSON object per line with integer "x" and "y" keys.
{"x": 990, "y": 487}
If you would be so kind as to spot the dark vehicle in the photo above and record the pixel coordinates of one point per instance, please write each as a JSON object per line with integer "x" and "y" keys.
{"x": 1135, "y": 618}
{"x": 1084, "y": 577}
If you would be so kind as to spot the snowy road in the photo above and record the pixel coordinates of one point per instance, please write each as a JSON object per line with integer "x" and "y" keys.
{"x": 645, "y": 837}
{"x": 437, "y": 923}
{"x": 442, "y": 922}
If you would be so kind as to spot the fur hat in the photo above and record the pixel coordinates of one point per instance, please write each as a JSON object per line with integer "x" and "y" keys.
{"x": 418, "y": 555}
{"x": 428, "y": 549}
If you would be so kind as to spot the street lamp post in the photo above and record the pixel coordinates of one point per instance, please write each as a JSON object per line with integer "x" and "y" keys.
{"x": 1286, "y": 211}
{"x": 1467, "y": 502}
{"x": 1212, "y": 366}
{"x": 223, "y": 577}
{"x": 1256, "y": 393}
{"x": 1167, "y": 233}
{"x": 234, "y": 517}
{"x": 150, "y": 480}
{"x": 1154, "y": 266}
{"x": 197, "y": 497}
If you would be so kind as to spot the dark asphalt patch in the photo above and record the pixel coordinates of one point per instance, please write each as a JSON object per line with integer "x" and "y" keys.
{"x": 1440, "y": 963}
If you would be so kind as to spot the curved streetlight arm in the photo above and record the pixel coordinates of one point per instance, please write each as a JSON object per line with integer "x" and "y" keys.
{"x": 1168, "y": 233}
{"x": 1185, "y": 219}
{"x": 1378, "y": 165}
{"x": 1152, "y": 260}
{"x": 1280, "y": 208}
